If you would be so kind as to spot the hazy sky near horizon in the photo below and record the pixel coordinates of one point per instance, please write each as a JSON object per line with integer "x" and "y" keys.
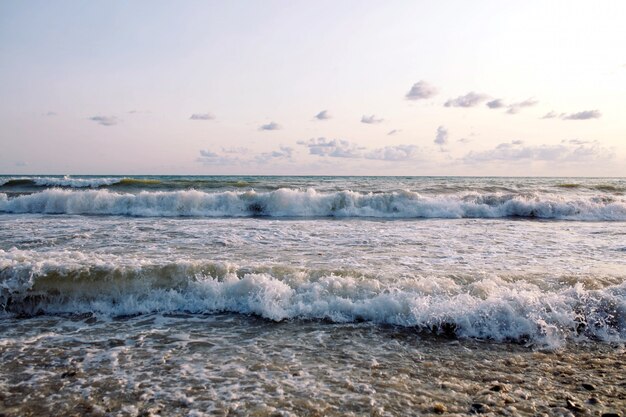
{"x": 324, "y": 87}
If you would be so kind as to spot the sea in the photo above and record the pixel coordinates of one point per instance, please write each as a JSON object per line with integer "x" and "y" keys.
{"x": 312, "y": 296}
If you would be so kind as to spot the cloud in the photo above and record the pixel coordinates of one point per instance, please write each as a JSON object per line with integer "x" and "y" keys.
{"x": 323, "y": 115}
{"x": 285, "y": 152}
{"x": 393, "y": 153}
{"x": 270, "y": 126}
{"x": 105, "y": 120}
{"x": 470, "y": 99}
{"x": 242, "y": 156}
{"x": 514, "y": 108}
{"x": 208, "y": 157}
{"x": 550, "y": 115}
{"x": 464, "y": 140}
{"x": 421, "y": 90}
{"x": 336, "y": 148}
{"x": 496, "y": 104}
{"x": 576, "y": 141}
{"x": 202, "y": 116}
{"x": 208, "y": 154}
{"x": 371, "y": 119}
{"x": 20, "y": 164}
{"x": 51, "y": 113}
{"x": 583, "y": 115}
{"x": 442, "y": 136}
{"x": 240, "y": 150}
{"x": 564, "y": 152}
{"x": 393, "y": 132}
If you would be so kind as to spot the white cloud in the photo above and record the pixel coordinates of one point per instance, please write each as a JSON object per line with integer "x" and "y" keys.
{"x": 208, "y": 157}
{"x": 284, "y": 152}
{"x": 421, "y": 90}
{"x": 393, "y": 132}
{"x": 323, "y": 115}
{"x": 512, "y": 108}
{"x": 470, "y": 99}
{"x": 243, "y": 156}
{"x": 572, "y": 151}
{"x": 550, "y": 115}
{"x": 496, "y": 104}
{"x": 442, "y": 136}
{"x": 371, "y": 119}
{"x": 583, "y": 115}
{"x": 516, "y": 107}
{"x": 393, "y": 153}
{"x": 270, "y": 126}
{"x": 240, "y": 150}
{"x": 337, "y": 148}
{"x": 576, "y": 141}
{"x": 202, "y": 116}
{"x": 105, "y": 120}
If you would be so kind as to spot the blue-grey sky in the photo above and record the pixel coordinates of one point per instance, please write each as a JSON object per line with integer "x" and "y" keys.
{"x": 325, "y": 87}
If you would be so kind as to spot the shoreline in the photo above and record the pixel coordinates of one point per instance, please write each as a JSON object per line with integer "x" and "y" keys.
{"x": 228, "y": 364}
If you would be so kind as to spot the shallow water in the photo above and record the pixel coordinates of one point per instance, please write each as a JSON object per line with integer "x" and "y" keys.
{"x": 238, "y": 365}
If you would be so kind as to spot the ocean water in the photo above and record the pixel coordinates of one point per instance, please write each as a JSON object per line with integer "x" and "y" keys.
{"x": 168, "y": 295}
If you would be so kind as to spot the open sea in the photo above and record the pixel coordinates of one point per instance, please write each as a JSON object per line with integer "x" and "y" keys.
{"x": 312, "y": 296}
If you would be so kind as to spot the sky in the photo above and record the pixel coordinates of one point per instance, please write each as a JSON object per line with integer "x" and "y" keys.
{"x": 534, "y": 88}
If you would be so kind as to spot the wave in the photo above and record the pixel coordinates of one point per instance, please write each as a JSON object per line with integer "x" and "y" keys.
{"x": 488, "y": 308}
{"x": 137, "y": 182}
{"x": 181, "y": 184}
{"x": 310, "y": 203}
{"x": 31, "y": 184}
{"x": 59, "y": 182}
{"x": 609, "y": 188}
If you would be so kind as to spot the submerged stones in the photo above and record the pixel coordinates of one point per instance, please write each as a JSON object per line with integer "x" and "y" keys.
{"x": 439, "y": 408}
{"x": 479, "y": 408}
{"x": 573, "y": 405}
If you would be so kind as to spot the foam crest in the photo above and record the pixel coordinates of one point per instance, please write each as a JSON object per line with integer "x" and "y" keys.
{"x": 310, "y": 203}
{"x": 489, "y": 308}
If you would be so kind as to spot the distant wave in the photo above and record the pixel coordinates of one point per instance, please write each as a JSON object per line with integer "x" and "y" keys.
{"x": 609, "y": 188}
{"x": 59, "y": 182}
{"x": 125, "y": 183}
{"x": 309, "y": 203}
{"x": 490, "y": 308}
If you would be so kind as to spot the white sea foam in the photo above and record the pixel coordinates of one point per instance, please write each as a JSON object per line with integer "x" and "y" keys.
{"x": 76, "y": 182}
{"x": 487, "y": 307}
{"x": 310, "y": 203}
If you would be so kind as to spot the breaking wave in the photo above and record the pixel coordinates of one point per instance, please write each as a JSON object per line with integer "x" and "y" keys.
{"x": 491, "y": 308}
{"x": 310, "y": 203}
